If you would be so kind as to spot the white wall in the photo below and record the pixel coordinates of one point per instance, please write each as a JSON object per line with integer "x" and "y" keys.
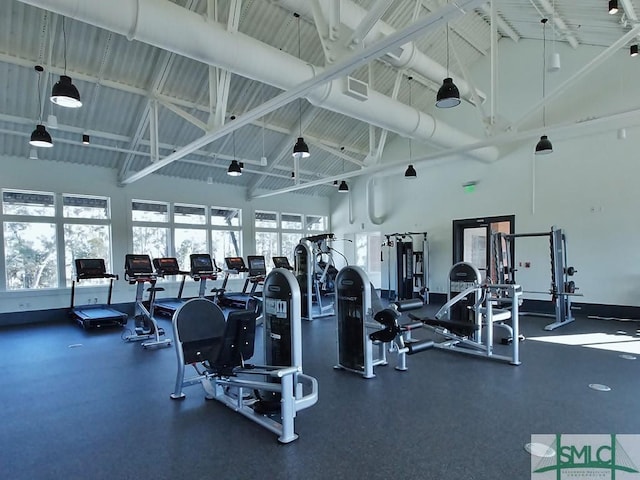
{"x": 57, "y": 177}
{"x": 587, "y": 186}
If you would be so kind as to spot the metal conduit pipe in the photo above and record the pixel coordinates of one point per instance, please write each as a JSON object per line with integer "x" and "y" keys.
{"x": 371, "y": 204}
{"x": 168, "y": 26}
{"x": 409, "y": 57}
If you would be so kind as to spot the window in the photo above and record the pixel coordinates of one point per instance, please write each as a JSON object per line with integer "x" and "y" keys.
{"x": 30, "y": 242}
{"x": 150, "y": 236}
{"x": 226, "y": 238}
{"x": 291, "y": 221}
{"x": 192, "y": 214}
{"x": 229, "y": 217}
{"x": 316, "y": 223}
{"x": 289, "y": 242}
{"x": 87, "y": 231}
{"x": 192, "y": 239}
{"x": 368, "y": 246}
{"x": 267, "y": 245}
{"x": 266, "y": 219}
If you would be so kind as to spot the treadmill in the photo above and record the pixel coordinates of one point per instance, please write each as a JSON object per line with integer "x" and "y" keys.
{"x": 256, "y": 273}
{"x": 165, "y": 267}
{"x": 95, "y": 316}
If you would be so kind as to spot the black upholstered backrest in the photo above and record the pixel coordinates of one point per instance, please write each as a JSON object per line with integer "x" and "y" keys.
{"x": 199, "y": 325}
{"x": 238, "y": 343}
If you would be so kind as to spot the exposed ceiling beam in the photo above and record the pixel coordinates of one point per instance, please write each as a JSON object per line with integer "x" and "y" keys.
{"x": 568, "y": 130}
{"x": 500, "y": 23}
{"x": 339, "y": 69}
{"x": 285, "y": 148}
{"x": 375, "y": 13}
{"x": 579, "y": 75}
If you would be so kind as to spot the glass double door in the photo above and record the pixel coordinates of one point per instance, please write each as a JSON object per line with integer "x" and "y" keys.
{"x": 472, "y": 242}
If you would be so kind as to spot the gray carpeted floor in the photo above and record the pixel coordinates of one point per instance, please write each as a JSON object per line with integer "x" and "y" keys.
{"x": 80, "y": 405}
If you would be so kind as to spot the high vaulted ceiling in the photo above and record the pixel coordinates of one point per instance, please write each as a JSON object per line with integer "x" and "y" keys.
{"x": 161, "y": 80}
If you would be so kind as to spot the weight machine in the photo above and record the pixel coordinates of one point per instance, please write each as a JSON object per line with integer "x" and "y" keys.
{"x": 218, "y": 351}
{"x": 315, "y": 270}
{"x": 360, "y": 315}
{"x": 562, "y": 288}
{"x": 468, "y": 318}
{"x": 411, "y": 265}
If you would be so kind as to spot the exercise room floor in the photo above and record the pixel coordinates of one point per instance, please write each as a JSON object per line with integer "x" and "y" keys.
{"x": 85, "y": 405}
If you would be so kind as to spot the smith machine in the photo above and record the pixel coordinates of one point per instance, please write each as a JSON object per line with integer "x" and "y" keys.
{"x": 562, "y": 288}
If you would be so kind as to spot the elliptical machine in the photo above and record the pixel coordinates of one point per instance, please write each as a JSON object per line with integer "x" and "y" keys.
{"x": 138, "y": 270}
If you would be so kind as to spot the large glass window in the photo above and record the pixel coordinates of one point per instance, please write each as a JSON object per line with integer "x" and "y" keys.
{"x": 266, "y": 219}
{"x": 289, "y": 242}
{"x": 229, "y": 217}
{"x": 87, "y": 232}
{"x": 226, "y": 237}
{"x": 291, "y": 221}
{"x": 30, "y": 255}
{"x": 30, "y": 242}
{"x": 316, "y": 223}
{"x": 150, "y": 228}
{"x": 188, "y": 241}
{"x": 192, "y": 214}
{"x": 148, "y": 211}
{"x": 267, "y": 245}
{"x": 367, "y": 249}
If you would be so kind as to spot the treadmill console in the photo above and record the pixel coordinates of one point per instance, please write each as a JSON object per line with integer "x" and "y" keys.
{"x": 257, "y": 266}
{"x": 91, "y": 268}
{"x": 166, "y": 266}
{"x": 235, "y": 264}
{"x": 137, "y": 266}
{"x": 202, "y": 264}
{"x": 282, "y": 262}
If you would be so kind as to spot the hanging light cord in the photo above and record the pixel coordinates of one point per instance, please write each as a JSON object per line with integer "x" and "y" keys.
{"x": 544, "y": 71}
{"x": 64, "y": 41}
{"x": 233, "y": 137}
{"x": 39, "y": 99}
{"x": 447, "y": 49}
{"x": 264, "y": 120}
{"x": 299, "y": 55}
{"x": 411, "y": 105}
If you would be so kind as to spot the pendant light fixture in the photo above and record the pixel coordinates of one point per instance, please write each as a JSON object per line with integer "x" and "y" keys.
{"x": 235, "y": 168}
{"x": 448, "y": 95}
{"x": 544, "y": 147}
{"x": 613, "y": 7}
{"x": 64, "y": 92}
{"x": 300, "y": 149}
{"x": 343, "y": 188}
{"x": 40, "y": 137}
{"x": 410, "y": 172}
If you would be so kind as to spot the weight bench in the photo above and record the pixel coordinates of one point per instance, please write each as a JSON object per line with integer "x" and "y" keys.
{"x": 218, "y": 350}
{"x": 467, "y": 337}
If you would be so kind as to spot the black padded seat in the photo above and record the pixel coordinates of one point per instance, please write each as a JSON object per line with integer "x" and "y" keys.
{"x": 200, "y": 326}
{"x": 205, "y": 336}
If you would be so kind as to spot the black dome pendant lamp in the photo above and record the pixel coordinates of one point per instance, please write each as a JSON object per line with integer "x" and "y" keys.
{"x": 64, "y": 92}
{"x": 40, "y": 137}
{"x": 300, "y": 149}
{"x": 448, "y": 95}
{"x": 544, "y": 147}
